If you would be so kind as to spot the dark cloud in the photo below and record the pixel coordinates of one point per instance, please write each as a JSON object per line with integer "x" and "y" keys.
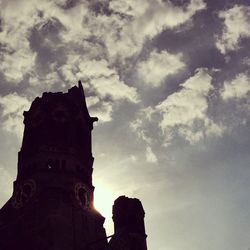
{"x": 100, "y": 8}
{"x": 67, "y": 4}
{"x": 182, "y": 3}
{"x": 196, "y": 43}
{"x": 225, "y": 4}
{"x": 1, "y": 24}
{"x": 46, "y": 42}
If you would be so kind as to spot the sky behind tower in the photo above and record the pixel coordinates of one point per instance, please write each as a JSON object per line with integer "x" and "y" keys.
{"x": 169, "y": 81}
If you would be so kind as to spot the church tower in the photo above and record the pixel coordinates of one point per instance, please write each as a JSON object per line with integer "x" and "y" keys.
{"x": 52, "y": 203}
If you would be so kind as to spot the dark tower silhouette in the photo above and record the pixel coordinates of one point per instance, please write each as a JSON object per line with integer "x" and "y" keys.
{"x": 128, "y": 217}
{"x": 52, "y": 202}
{"x": 51, "y": 207}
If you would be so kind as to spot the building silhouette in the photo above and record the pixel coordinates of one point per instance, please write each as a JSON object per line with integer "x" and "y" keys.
{"x": 51, "y": 207}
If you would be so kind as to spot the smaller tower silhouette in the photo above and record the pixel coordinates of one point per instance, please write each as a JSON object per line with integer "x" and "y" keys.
{"x": 128, "y": 217}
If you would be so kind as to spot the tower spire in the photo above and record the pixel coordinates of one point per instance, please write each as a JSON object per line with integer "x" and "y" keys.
{"x": 83, "y": 98}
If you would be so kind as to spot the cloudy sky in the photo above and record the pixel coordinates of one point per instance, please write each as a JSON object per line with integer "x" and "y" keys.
{"x": 170, "y": 83}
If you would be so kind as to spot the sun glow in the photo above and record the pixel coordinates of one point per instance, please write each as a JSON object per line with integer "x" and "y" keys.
{"x": 103, "y": 202}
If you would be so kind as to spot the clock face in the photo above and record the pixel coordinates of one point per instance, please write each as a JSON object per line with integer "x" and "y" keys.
{"x": 23, "y": 193}
{"x": 81, "y": 195}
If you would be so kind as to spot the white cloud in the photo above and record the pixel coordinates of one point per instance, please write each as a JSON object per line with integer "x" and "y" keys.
{"x": 150, "y": 156}
{"x": 158, "y": 66}
{"x": 67, "y": 72}
{"x": 17, "y": 58}
{"x": 246, "y": 61}
{"x": 189, "y": 103}
{"x": 237, "y": 88}
{"x": 115, "y": 88}
{"x": 45, "y": 80}
{"x": 84, "y": 67}
{"x": 116, "y": 36}
{"x": 139, "y": 125}
{"x": 236, "y": 26}
{"x": 130, "y": 7}
{"x": 95, "y": 68}
{"x": 92, "y": 100}
{"x": 18, "y": 20}
{"x": 103, "y": 111}
{"x": 93, "y": 43}
{"x": 185, "y": 112}
{"x": 101, "y": 78}
{"x": 13, "y": 106}
{"x": 6, "y": 181}
{"x": 163, "y": 14}
{"x": 15, "y": 65}
{"x": 124, "y": 35}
